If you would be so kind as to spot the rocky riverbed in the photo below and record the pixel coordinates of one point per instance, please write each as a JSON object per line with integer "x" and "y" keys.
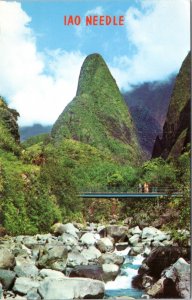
{"x": 75, "y": 262}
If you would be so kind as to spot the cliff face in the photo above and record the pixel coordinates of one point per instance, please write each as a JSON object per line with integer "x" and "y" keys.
{"x": 148, "y": 104}
{"x": 176, "y": 130}
{"x": 98, "y": 115}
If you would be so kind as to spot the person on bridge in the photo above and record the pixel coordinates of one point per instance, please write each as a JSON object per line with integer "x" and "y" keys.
{"x": 146, "y": 187}
{"x": 140, "y": 189}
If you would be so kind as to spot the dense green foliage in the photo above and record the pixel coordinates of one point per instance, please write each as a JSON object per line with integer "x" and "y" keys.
{"x": 98, "y": 115}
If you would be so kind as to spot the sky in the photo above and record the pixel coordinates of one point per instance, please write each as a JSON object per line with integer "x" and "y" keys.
{"x": 40, "y": 58}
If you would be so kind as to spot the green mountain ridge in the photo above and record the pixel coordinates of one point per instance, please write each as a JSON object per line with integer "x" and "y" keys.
{"x": 176, "y": 130}
{"x": 98, "y": 115}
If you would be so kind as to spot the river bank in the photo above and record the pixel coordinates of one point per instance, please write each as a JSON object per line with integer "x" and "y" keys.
{"x": 93, "y": 261}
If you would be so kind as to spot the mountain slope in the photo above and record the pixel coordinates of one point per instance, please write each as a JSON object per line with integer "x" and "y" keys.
{"x": 176, "y": 130}
{"x": 148, "y": 104}
{"x": 98, "y": 114}
{"x": 36, "y": 129}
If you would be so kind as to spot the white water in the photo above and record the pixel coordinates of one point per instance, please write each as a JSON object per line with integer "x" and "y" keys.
{"x": 129, "y": 269}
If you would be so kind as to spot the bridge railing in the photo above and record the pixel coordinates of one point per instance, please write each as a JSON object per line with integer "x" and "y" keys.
{"x": 152, "y": 189}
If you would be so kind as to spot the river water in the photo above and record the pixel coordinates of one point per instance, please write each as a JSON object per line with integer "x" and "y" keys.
{"x": 121, "y": 286}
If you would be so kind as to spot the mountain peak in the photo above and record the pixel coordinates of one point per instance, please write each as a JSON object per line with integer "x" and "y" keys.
{"x": 98, "y": 115}
{"x": 94, "y": 74}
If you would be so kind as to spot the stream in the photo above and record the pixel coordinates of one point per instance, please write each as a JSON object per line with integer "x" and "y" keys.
{"x": 122, "y": 286}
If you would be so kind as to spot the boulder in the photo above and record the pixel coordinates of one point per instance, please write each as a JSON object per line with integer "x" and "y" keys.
{"x": 59, "y": 229}
{"x": 157, "y": 288}
{"x": 91, "y": 271}
{"x": 7, "y": 259}
{"x": 71, "y": 288}
{"x": 1, "y": 291}
{"x": 7, "y": 278}
{"x": 88, "y": 239}
{"x": 119, "y": 233}
{"x": 31, "y": 241}
{"x": 76, "y": 259}
{"x": 51, "y": 273}
{"x": 179, "y": 272}
{"x": 150, "y": 232}
{"x": 68, "y": 239}
{"x": 91, "y": 254}
{"x": 135, "y": 230}
{"x": 111, "y": 258}
{"x": 110, "y": 272}
{"x": 30, "y": 271}
{"x": 138, "y": 249}
{"x": 23, "y": 285}
{"x": 33, "y": 295}
{"x": 105, "y": 245}
{"x": 134, "y": 239}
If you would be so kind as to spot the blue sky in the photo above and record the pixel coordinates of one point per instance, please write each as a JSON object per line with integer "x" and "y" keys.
{"x": 40, "y": 58}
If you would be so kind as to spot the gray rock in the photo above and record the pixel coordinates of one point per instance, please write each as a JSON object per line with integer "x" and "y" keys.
{"x": 179, "y": 272}
{"x": 111, "y": 258}
{"x": 30, "y": 241}
{"x": 110, "y": 271}
{"x": 71, "y": 288}
{"x": 59, "y": 229}
{"x": 68, "y": 239}
{"x": 134, "y": 239}
{"x": 30, "y": 271}
{"x": 88, "y": 239}
{"x": 157, "y": 244}
{"x": 162, "y": 237}
{"x": 150, "y": 232}
{"x": 135, "y": 230}
{"x": 51, "y": 273}
{"x": 1, "y": 291}
{"x": 105, "y": 245}
{"x": 7, "y": 259}
{"x": 76, "y": 259}
{"x": 136, "y": 249}
{"x": 55, "y": 258}
{"x": 91, "y": 254}
{"x": 7, "y": 278}
{"x": 33, "y": 295}
{"x": 117, "y": 232}
{"x": 23, "y": 285}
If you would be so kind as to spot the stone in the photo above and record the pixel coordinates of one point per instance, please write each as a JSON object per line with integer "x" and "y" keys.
{"x": 91, "y": 254}
{"x": 136, "y": 249}
{"x": 76, "y": 259}
{"x": 7, "y": 259}
{"x": 135, "y": 230}
{"x": 121, "y": 246}
{"x": 162, "y": 237}
{"x": 111, "y": 258}
{"x": 1, "y": 291}
{"x": 105, "y": 245}
{"x": 179, "y": 272}
{"x": 54, "y": 258}
{"x": 134, "y": 239}
{"x": 33, "y": 295}
{"x": 157, "y": 244}
{"x": 71, "y": 288}
{"x": 30, "y": 271}
{"x": 23, "y": 285}
{"x": 51, "y": 273}
{"x": 30, "y": 241}
{"x": 90, "y": 271}
{"x": 110, "y": 271}
{"x": 88, "y": 239}
{"x": 7, "y": 278}
{"x": 119, "y": 233}
{"x": 150, "y": 232}
{"x": 157, "y": 288}
{"x": 59, "y": 229}
{"x": 68, "y": 239}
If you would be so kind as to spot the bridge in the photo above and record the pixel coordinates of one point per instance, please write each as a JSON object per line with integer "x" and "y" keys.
{"x": 155, "y": 193}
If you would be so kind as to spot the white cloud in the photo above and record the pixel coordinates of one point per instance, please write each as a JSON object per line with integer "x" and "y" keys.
{"x": 95, "y": 11}
{"x": 160, "y": 35}
{"x": 38, "y": 85}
